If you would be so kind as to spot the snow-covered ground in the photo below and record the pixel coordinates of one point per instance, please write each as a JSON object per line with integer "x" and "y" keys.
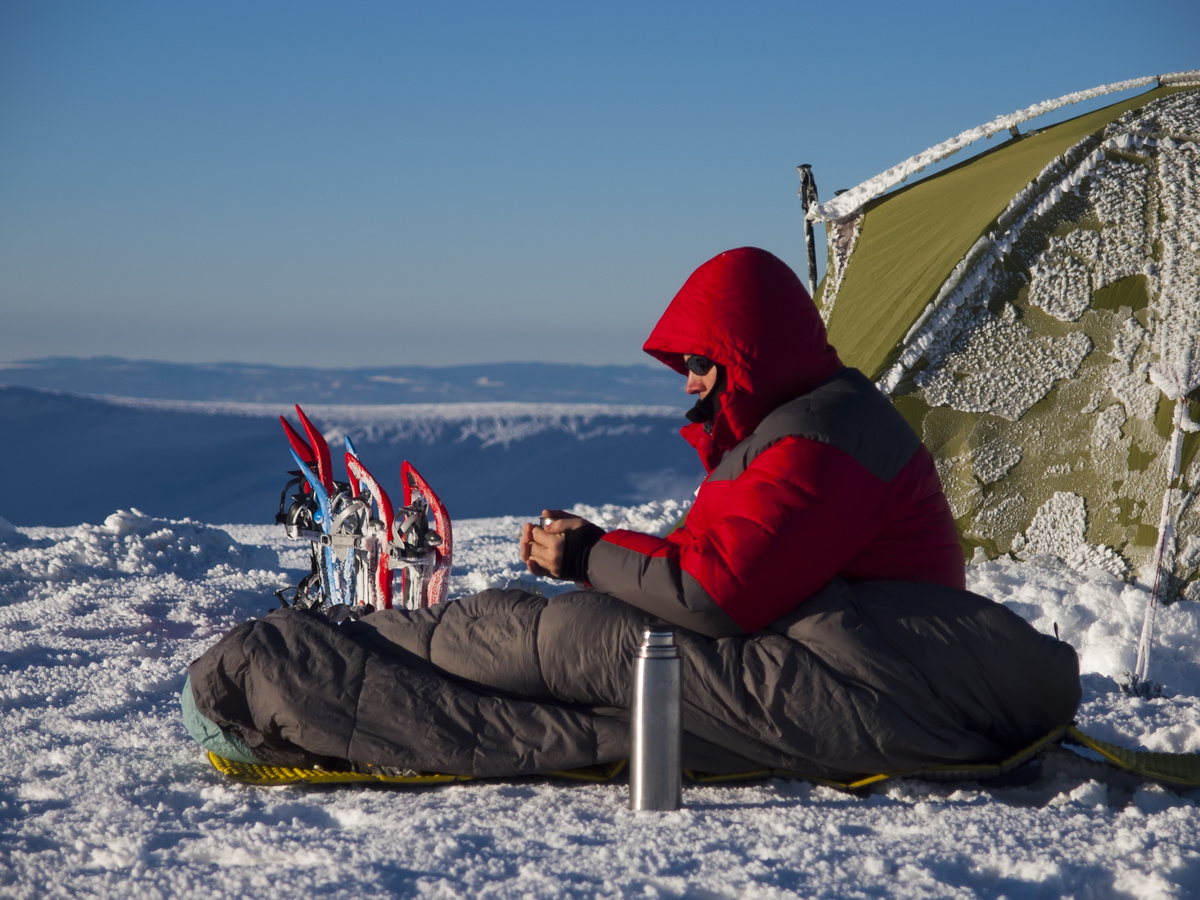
{"x": 103, "y": 794}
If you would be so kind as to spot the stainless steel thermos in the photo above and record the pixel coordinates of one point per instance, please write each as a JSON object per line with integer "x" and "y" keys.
{"x": 655, "y": 775}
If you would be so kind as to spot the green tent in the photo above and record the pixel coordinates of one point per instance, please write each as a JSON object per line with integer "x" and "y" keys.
{"x": 1033, "y": 313}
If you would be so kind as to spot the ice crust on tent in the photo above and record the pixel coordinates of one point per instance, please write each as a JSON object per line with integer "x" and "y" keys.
{"x": 1108, "y": 426}
{"x": 1120, "y": 202}
{"x": 1075, "y": 321}
{"x": 1003, "y": 368}
{"x": 1061, "y": 281}
{"x": 1176, "y": 370}
{"x": 993, "y": 461}
{"x": 1059, "y": 526}
{"x": 1129, "y": 385}
{"x": 1065, "y": 273}
{"x": 966, "y": 293}
{"x": 1059, "y": 529}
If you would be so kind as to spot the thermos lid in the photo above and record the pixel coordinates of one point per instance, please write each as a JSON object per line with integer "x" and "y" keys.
{"x": 658, "y": 643}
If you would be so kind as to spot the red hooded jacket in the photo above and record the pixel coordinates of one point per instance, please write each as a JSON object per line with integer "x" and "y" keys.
{"x": 812, "y": 472}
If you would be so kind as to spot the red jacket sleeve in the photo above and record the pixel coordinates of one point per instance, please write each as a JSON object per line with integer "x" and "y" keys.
{"x": 754, "y": 547}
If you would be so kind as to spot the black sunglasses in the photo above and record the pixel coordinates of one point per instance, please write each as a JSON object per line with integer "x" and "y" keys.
{"x": 701, "y": 365}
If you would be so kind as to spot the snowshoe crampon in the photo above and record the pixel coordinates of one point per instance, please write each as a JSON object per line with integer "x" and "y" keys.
{"x": 425, "y": 582}
{"x": 358, "y": 537}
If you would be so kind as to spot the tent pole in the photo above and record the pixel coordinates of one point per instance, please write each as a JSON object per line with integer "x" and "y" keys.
{"x": 808, "y": 199}
{"x": 1165, "y": 535}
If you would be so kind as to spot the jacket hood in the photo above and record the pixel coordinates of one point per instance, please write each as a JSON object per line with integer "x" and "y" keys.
{"x": 746, "y": 310}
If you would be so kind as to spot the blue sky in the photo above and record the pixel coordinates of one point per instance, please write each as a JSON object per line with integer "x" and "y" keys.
{"x": 343, "y": 184}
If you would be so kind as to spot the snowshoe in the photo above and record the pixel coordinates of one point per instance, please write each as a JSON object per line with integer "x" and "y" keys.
{"x": 358, "y": 538}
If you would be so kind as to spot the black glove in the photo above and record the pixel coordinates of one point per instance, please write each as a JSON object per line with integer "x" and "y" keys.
{"x": 577, "y": 547}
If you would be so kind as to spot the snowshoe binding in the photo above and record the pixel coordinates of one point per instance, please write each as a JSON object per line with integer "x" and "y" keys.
{"x": 358, "y": 537}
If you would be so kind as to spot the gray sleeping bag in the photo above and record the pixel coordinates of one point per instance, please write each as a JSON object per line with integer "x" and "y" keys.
{"x": 862, "y": 678}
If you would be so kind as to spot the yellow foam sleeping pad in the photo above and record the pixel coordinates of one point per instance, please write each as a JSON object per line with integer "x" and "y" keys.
{"x": 1181, "y": 769}
{"x": 266, "y": 776}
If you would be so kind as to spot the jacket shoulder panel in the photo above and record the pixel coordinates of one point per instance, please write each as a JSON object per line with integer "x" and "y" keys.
{"x": 846, "y": 412}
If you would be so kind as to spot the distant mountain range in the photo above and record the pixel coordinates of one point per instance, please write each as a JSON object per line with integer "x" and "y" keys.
{"x": 524, "y": 382}
{"x": 94, "y": 436}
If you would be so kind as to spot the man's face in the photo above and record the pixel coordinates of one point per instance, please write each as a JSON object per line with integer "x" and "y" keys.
{"x": 701, "y": 384}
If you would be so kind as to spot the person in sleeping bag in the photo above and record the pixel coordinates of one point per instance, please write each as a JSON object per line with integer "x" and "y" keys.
{"x": 816, "y": 588}
{"x": 811, "y": 471}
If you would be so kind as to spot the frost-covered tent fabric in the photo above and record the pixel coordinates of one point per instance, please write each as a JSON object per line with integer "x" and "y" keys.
{"x": 1033, "y": 313}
